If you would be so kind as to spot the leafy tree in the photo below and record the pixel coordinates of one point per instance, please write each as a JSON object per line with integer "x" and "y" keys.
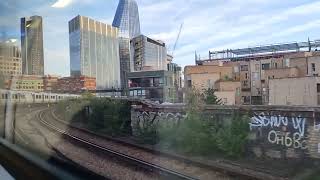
{"x": 210, "y": 98}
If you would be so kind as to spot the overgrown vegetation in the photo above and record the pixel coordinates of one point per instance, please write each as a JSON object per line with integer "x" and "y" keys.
{"x": 210, "y": 98}
{"x": 110, "y": 116}
{"x": 105, "y": 115}
{"x": 200, "y": 133}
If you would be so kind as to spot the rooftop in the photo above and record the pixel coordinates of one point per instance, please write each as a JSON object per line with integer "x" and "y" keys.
{"x": 264, "y": 50}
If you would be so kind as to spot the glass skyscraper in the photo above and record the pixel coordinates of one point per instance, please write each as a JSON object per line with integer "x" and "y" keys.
{"x": 148, "y": 54}
{"x": 32, "y": 45}
{"x": 127, "y": 20}
{"x": 94, "y": 51}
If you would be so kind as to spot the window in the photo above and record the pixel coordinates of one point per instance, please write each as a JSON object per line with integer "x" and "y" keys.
{"x": 244, "y": 67}
{"x": 318, "y": 88}
{"x": 238, "y": 92}
{"x": 245, "y": 99}
{"x": 246, "y": 75}
{"x": 245, "y": 83}
{"x": 313, "y": 67}
{"x": 189, "y": 83}
{"x": 266, "y": 66}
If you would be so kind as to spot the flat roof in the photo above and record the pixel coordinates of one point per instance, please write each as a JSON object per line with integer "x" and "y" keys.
{"x": 265, "y": 50}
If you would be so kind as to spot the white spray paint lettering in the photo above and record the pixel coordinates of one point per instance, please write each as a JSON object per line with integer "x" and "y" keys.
{"x": 263, "y": 120}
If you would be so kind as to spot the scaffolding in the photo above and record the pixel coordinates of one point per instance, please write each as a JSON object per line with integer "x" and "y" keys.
{"x": 265, "y": 50}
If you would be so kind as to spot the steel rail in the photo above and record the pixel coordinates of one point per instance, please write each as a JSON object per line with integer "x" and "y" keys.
{"x": 162, "y": 170}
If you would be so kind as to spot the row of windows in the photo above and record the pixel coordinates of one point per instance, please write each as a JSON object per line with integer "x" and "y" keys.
{"x": 13, "y": 96}
{"x": 13, "y": 59}
{"x": 47, "y": 97}
{"x": 22, "y": 96}
{"x": 26, "y": 83}
{"x": 11, "y": 72}
{"x": 10, "y": 67}
{"x": 29, "y": 87}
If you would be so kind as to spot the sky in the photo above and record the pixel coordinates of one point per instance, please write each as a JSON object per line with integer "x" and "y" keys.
{"x": 207, "y": 24}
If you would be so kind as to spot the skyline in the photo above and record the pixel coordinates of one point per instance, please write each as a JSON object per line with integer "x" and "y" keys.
{"x": 209, "y": 26}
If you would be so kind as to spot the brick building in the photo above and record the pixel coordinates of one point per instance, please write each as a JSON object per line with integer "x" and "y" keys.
{"x": 75, "y": 84}
{"x": 25, "y": 83}
{"x": 50, "y": 82}
{"x": 255, "y": 67}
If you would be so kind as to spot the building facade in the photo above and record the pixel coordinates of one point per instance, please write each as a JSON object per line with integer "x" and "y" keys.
{"x": 31, "y": 83}
{"x": 50, "y": 83}
{"x": 205, "y": 76}
{"x": 148, "y": 54}
{"x": 10, "y": 59}
{"x": 75, "y": 85}
{"x": 94, "y": 51}
{"x": 127, "y": 20}
{"x": 152, "y": 85}
{"x": 303, "y": 91}
{"x": 32, "y": 45}
{"x": 254, "y": 67}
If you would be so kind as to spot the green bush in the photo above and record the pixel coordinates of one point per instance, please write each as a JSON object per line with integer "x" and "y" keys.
{"x": 100, "y": 114}
{"x": 232, "y": 138}
{"x": 110, "y": 116}
{"x": 199, "y": 135}
{"x": 72, "y": 110}
{"x": 148, "y": 133}
{"x": 192, "y": 135}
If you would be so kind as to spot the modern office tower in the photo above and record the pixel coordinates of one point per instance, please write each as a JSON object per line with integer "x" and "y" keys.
{"x": 94, "y": 51}
{"x": 32, "y": 45}
{"x": 148, "y": 54}
{"x": 10, "y": 59}
{"x": 127, "y": 20}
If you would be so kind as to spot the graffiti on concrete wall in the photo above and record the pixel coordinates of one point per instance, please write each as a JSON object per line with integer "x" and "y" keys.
{"x": 146, "y": 118}
{"x": 281, "y": 130}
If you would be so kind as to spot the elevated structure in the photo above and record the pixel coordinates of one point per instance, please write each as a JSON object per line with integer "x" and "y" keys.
{"x": 262, "y": 51}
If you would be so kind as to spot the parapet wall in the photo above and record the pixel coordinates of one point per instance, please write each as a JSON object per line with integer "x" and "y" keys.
{"x": 277, "y": 132}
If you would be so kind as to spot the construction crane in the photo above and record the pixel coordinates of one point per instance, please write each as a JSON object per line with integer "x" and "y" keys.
{"x": 176, "y": 42}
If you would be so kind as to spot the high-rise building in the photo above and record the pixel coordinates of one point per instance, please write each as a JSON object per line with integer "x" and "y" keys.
{"x": 94, "y": 51}
{"x": 32, "y": 45}
{"x": 148, "y": 54}
{"x": 10, "y": 59}
{"x": 127, "y": 20}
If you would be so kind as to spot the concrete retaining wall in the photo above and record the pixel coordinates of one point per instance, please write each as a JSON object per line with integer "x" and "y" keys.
{"x": 277, "y": 132}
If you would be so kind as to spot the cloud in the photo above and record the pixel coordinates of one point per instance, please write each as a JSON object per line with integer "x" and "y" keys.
{"x": 62, "y": 3}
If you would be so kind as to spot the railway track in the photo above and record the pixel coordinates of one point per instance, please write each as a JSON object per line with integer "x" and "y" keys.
{"x": 233, "y": 170}
{"x": 164, "y": 172}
